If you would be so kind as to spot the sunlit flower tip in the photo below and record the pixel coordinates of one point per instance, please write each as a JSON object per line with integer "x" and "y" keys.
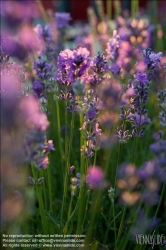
{"x": 95, "y": 177}
{"x": 71, "y": 169}
{"x": 111, "y": 194}
{"x": 31, "y": 114}
{"x": 130, "y": 198}
{"x": 31, "y": 180}
{"x": 130, "y": 92}
{"x": 73, "y": 181}
{"x": 44, "y": 161}
{"x": 40, "y": 180}
{"x": 50, "y": 145}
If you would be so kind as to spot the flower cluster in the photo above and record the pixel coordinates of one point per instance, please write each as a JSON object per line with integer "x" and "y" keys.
{"x": 159, "y": 147}
{"x": 72, "y": 65}
{"x": 135, "y": 110}
{"x": 44, "y": 82}
{"x": 91, "y": 106}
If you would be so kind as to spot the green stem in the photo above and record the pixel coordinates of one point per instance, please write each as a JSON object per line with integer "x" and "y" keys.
{"x": 41, "y": 204}
{"x": 161, "y": 198}
{"x": 50, "y": 187}
{"x": 135, "y": 149}
{"x": 109, "y": 218}
{"x": 59, "y": 135}
{"x": 67, "y": 164}
{"x": 94, "y": 212}
{"x": 69, "y": 212}
{"x": 120, "y": 228}
{"x": 109, "y": 9}
{"x": 87, "y": 201}
{"x": 118, "y": 162}
{"x": 134, "y": 7}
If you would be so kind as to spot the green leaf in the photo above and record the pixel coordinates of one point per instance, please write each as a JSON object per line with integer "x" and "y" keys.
{"x": 54, "y": 221}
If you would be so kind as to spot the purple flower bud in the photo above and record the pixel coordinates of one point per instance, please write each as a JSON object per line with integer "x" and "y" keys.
{"x": 31, "y": 180}
{"x": 43, "y": 163}
{"x": 38, "y": 88}
{"x": 40, "y": 180}
{"x": 78, "y": 175}
{"x": 62, "y": 20}
{"x": 71, "y": 169}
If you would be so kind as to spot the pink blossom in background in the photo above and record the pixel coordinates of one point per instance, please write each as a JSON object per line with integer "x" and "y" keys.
{"x": 95, "y": 177}
{"x": 31, "y": 114}
{"x": 29, "y": 38}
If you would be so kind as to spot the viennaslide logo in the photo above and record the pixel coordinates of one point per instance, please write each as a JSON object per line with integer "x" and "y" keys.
{"x": 151, "y": 239}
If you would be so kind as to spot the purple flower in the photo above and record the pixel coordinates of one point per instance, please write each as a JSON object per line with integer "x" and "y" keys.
{"x": 40, "y": 180}
{"x": 143, "y": 224}
{"x": 95, "y": 177}
{"x": 38, "y": 88}
{"x": 72, "y": 64}
{"x": 150, "y": 198}
{"x": 113, "y": 46}
{"x": 71, "y": 169}
{"x": 151, "y": 58}
{"x": 43, "y": 69}
{"x": 49, "y": 146}
{"x": 17, "y": 12}
{"x": 155, "y": 58}
{"x": 96, "y": 129}
{"x": 44, "y": 32}
{"x": 78, "y": 175}
{"x": 91, "y": 114}
{"x": 142, "y": 77}
{"x": 99, "y": 64}
{"x": 115, "y": 69}
{"x": 62, "y": 20}
{"x": 43, "y": 163}
{"x": 152, "y": 174}
{"x": 139, "y": 119}
{"x": 31, "y": 114}
{"x": 31, "y": 180}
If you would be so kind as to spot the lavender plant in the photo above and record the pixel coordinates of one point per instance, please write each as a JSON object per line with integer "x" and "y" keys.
{"x": 80, "y": 132}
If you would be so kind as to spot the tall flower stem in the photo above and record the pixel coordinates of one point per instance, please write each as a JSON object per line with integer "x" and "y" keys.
{"x": 136, "y": 140}
{"x": 94, "y": 212}
{"x": 118, "y": 162}
{"x": 59, "y": 136}
{"x": 109, "y": 218}
{"x": 134, "y": 7}
{"x": 40, "y": 201}
{"x": 42, "y": 10}
{"x": 109, "y": 9}
{"x": 120, "y": 228}
{"x": 50, "y": 187}
{"x": 161, "y": 198}
{"x": 87, "y": 201}
{"x": 81, "y": 196}
{"x": 69, "y": 212}
{"x": 67, "y": 163}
